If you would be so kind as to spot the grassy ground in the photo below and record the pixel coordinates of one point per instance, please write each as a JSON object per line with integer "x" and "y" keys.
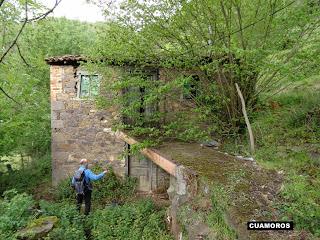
{"x": 287, "y": 133}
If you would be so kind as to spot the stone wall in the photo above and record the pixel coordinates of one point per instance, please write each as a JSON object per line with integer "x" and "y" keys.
{"x": 79, "y": 130}
{"x": 190, "y": 205}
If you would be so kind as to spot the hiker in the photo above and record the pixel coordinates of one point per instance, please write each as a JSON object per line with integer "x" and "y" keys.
{"x": 81, "y": 182}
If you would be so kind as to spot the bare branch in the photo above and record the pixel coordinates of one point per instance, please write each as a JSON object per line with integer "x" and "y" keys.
{"x": 25, "y": 21}
{"x": 44, "y": 15}
{"x": 18, "y": 34}
{"x": 249, "y": 25}
{"x": 1, "y": 2}
{"x": 8, "y": 96}
{"x": 251, "y": 138}
{"x": 239, "y": 15}
{"x": 21, "y": 56}
{"x": 295, "y": 49}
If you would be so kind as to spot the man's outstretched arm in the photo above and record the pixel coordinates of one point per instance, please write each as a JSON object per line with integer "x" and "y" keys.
{"x": 93, "y": 176}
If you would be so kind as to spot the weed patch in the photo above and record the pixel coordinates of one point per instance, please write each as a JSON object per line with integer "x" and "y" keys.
{"x": 26, "y": 179}
{"x": 287, "y": 139}
{"x": 110, "y": 188}
{"x": 134, "y": 221}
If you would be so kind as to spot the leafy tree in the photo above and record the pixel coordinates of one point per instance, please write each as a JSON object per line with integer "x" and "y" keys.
{"x": 258, "y": 45}
{"x": 25, "y": 110}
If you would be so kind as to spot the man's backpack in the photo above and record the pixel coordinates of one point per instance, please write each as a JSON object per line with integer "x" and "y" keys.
{"x": 79, "y": 181}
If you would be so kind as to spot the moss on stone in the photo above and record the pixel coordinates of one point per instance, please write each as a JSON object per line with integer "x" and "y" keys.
{"x": 249, "y": 191}
{"x": 43, "y": 220}
{"x": 38, "y": 228}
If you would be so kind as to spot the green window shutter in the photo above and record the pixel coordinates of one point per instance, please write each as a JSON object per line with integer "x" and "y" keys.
{"x": 94, "y": 85}
{"x": 89, "y": 86}
{"x": 85, "y": 86}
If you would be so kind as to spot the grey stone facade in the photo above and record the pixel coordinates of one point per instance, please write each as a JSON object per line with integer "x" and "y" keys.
{"x": 79, "y": 130}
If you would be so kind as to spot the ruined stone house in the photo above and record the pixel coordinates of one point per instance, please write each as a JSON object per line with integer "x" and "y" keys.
{"x": 79, "y": 130}
{"x": 186, "y": 171}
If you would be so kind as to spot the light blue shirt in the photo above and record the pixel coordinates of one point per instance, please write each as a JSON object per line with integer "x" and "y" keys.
{"x": 89, "y": 175}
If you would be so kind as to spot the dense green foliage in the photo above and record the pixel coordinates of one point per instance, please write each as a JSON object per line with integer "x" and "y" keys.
{"x": 15, "y": 212}
{"x": 260, "y": 46}
{"x": 110, "y": 189}
{"x": 131, "y": 221}
{"x": 140, "y": 220}
{"x": 26, "y": 179}
{"x": 216, "y": 218}
{"x": 25, "y": 126}
{"x": 268, "y": 48}
{"x": 71, "y": 223}
{"x": 290, "y": 142}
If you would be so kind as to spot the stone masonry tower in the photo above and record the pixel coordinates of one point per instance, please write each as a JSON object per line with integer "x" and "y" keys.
{"x": 78, "y": 129}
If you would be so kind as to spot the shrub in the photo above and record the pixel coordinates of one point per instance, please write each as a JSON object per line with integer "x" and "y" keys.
{"x": 301, "y": 203}
{"x": 113, "y": 188}
{"x": 108, "y": 189}
{"x": 71, "y": 223}
{"x": 26, "y": 179}
{"x": 133, "y": 221}
{"x": 287, "y": 139}
{"x": 15, "y": 212}
{"x": 64, "y": 191}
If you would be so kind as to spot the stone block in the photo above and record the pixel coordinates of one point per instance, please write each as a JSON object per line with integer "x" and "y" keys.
{"x": 70, "y": 84}
{"x": 85, "y": 123}
{"x": 57, "y": 124}
{"x": 57, "y": 105}
{"x": 62, "y": 97}
{"x": 59, "y": 157}
{"x": 73, "y": 123}
{"x": 55, "y": 115}
{"x": 107, "y": 130}
{"x": 65, "y": 147}
{"x": 65, "y": 115}
{"x": 69, "y": 90}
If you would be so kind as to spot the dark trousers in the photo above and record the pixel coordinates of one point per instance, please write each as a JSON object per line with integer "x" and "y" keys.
{"x": 87, "y": 201}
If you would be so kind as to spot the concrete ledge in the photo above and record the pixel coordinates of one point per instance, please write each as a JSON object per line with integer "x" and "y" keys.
{"x": 167, "y": 165}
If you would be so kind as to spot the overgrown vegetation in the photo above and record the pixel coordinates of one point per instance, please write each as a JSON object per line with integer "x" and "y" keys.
{"x": 260, "y": 47}
{"x": 71, "y": 224}
{"x": 216, "y": 218}
{"x": 110, "y": 189}
{"x": 287, "y": 134}
{"x": 116, "y": 214}
{"x": 134, "y": 221}
{"x": 26, "y": 179}
{"x": 268, "y": 48}
{"x": 15, "y": 212}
